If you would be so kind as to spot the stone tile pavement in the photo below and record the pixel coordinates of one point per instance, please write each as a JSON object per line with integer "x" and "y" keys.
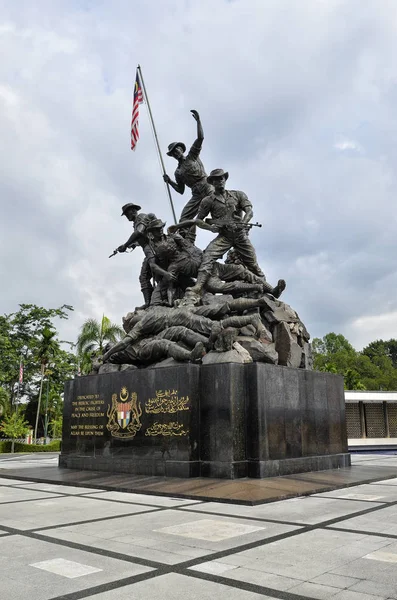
{"x": 67, "y": 542}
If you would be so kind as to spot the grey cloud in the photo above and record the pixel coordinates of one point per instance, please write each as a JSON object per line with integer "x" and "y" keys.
{"x": 278, "y": 85}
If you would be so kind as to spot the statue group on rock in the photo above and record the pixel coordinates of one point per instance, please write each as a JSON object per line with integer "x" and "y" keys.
{"x": 197, "y": 308}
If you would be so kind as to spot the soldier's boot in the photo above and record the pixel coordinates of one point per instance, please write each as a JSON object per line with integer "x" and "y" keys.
{"x": 171, "y": 296}
{"x": 198, "y": 352}
{"x": 215, "y": 331}
{"x": 202, "y": 278}
{"x": 261, "y": 330}
{"x": 280, "y": 287}
{"x": 274, "y": 291}
{"x": 147, "y": 296}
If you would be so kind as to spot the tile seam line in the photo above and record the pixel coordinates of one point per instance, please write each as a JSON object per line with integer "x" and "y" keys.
{"x": 74, "y": 523}
{"x": 391, "y": 536}
{"x": 29, "y": 500}
{"x": 143, "y": 562}
{"x": 86, "y": 495}
{"x": 246, "y": 586}
{"x": 88, "y": 521}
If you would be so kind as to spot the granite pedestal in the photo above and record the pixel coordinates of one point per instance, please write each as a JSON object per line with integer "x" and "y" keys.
{"x": 224, "y": 421}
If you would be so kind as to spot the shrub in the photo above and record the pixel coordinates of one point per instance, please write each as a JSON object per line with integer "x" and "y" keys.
{"x": 5, "y": 447}
{"x": 54, "y": 446}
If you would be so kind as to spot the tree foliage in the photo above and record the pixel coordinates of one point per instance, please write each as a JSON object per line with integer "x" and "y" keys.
{"x": 373, "y": 368}
{"x": 93, "y": 337}
{"x": 14, "y": 426}
{"x": 30, "y": 335}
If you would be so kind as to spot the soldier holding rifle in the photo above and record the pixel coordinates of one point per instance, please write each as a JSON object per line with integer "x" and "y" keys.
{"x": 139, "y": 238}
{"x": 231, "y": 212}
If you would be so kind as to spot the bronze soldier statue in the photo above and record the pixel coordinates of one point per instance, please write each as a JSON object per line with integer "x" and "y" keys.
{"x": 190, "y": 172}
{"x": 231, "y": 212}
{"x": 182, "y": 259}
{"x": 139, "y": 238}
{"x": 150, "y": 350}
{"x": 190, "y": 320}
{"x": 175, "y": 255}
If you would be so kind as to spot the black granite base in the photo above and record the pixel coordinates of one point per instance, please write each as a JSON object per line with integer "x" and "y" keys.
{"x": 290, "y": 466}
{"x": 221, "y": 421}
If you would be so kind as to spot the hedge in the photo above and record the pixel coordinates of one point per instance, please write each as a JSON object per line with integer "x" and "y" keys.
{"x": 5, "y": 447}
{"x": 54, "y": 446}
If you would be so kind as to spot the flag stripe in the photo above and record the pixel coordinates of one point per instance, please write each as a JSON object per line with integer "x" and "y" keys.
{"x": 137, "y": 100}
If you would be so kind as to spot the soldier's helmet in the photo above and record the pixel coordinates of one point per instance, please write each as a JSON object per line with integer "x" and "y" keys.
{"x": 155, "y": 224}
{"x": 217, "y": 173}
{"x": 172, "y": 147}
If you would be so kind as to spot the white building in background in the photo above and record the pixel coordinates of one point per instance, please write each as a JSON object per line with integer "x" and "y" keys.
{"x": 371, "y": 419}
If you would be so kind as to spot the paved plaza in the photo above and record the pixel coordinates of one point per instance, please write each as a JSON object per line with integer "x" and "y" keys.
{"x": 63, "y": 542}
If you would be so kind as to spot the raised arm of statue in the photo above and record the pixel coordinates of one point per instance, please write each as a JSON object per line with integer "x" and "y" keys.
{"x": 197, "y": 144}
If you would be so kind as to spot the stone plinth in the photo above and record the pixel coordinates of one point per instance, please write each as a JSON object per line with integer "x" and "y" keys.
{"x": 224, "y": 420}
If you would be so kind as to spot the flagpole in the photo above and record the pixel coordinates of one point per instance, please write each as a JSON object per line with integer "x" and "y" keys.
{"x": 19, "y": 379}
{"x": 157, "y": 141}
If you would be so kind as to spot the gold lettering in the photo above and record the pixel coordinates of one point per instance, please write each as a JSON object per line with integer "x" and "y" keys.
{"x": 171, "y": 429}
{"x": 167, "y": 401}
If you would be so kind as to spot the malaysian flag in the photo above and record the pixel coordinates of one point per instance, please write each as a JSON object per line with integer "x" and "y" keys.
{"x": 21, "y": 372}
{"x": 138, "y": 99}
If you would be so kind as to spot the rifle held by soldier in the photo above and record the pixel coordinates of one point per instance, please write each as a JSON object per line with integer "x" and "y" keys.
{"x": 129, "y": 248}
{"x": 220, "y": 223}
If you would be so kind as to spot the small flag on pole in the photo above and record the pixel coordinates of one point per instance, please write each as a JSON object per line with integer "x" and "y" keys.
{"x": 138, "y": 99}
{"x": 21, "y": 373}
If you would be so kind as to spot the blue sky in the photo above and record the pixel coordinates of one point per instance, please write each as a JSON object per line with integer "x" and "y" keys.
{"x": 298, "y": 102}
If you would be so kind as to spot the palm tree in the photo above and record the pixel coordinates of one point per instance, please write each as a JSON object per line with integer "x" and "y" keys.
{"x": 94, "y": 335}
{"x": 46, "y": 349}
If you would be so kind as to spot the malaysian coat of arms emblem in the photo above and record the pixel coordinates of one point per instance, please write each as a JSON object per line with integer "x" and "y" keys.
{"x": 124, "y": 415}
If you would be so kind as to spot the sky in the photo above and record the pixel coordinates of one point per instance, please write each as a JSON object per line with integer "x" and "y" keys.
{"x": 298, "y": 102}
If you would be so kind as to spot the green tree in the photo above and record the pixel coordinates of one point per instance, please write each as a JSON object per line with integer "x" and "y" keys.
{"x": 93, "y": 337}
{"x": 46, "y": 350}
{"x": 4, "y": 402}
{"x": 371, "y": 369}
{"x": 56, "y": 427}
{"x": 14, "y": 426}
{"x": 352, "y": 380}
{"x": 332, "y": 343}
{"x": 21, "y": 334}
{"x": 380, "y": 348}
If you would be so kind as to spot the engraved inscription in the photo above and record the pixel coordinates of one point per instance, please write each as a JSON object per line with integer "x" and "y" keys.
{"x": 167, "y": 401}
{"x": 172, "y": 429}
{"x": 84, "y": 410}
